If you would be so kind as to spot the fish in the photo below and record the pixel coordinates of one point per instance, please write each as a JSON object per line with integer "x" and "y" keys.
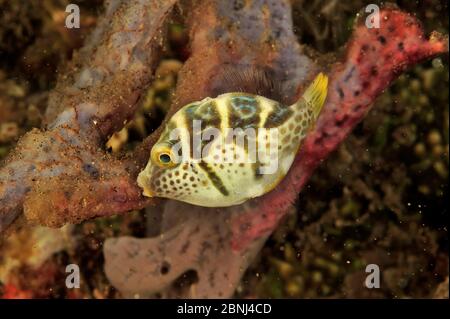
{"x": 223, "y": 151}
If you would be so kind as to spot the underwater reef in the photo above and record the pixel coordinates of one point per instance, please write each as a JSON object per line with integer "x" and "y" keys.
{"x": 379, "y": 198}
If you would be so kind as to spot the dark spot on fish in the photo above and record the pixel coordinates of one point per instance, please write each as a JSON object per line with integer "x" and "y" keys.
{"x": 256, "y": 170}
{"x": 356, "y": 93}
{"x": 401, "y": 46}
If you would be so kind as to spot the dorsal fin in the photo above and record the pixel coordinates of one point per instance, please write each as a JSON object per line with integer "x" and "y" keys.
{"x": 247, "y": 79}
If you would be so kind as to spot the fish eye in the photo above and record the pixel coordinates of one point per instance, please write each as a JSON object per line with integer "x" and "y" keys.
{"x": 165, "y": 158}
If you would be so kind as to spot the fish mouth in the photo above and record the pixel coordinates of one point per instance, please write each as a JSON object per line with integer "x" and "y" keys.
{"x": 142, "y": 182}
{"x": 148, "y": 192}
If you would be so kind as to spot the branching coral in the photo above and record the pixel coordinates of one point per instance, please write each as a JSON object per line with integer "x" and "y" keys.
{"x": 62, "y": 169}
{"x": 61, "y": 174}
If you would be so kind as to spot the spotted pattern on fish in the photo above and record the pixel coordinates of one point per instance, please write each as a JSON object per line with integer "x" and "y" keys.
{"x": 277, "y": 116}
{"x": 247, "y": 145}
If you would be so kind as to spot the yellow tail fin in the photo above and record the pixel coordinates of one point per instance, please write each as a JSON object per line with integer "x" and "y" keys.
{"x": 316, "y": 93}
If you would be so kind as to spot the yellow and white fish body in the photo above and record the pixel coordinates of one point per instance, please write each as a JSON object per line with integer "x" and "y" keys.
{"x": 223, "y": 151}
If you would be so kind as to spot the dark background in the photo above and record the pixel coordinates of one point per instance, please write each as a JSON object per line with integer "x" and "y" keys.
{"x": 380, "y": 198}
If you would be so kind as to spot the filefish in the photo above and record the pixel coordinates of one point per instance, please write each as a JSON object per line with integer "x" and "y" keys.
{"x": 222, "y": 151}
